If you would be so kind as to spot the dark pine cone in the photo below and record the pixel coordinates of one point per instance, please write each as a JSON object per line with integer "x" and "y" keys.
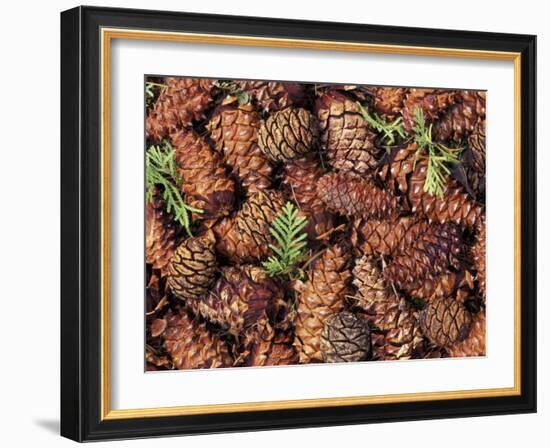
{"x": 345, "y": 338}
{"x": 193, "y": 267}
{"x": 445, "y": 321}
{"x": 287, "y": 134}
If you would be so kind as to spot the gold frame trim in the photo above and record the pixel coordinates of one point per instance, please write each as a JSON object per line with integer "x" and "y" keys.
{"x": 107, "y": 35}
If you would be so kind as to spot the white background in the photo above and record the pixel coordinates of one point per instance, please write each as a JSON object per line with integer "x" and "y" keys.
{"x": 132, "y": 388}
{"x": 29, "y": 387}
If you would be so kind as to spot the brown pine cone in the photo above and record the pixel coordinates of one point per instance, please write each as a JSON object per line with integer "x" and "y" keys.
{"x": 455, "y": 206}
{"x": 245, "y": 237}
{"x": 474, "y": 160}
{"x": 192, "y": 346}
{"x": 272, "y": 96}
{"x": 345, "y": 135}
{"x": 234, "y": 129}
{"x": 474, "y": 344}
{"x": 193, "y": 267}
{"x": 388, "y": 102}
{"x": 155, "y": 296}
{"x": 405, "y": 173}
{"x": 445, "y": 321}
{"x": 372, "y": 287}
{"x": 265, "y": 346}
{"x": 155, "y": 359}
{"x": 287, "y": 134}
{"x": 321, "y": 295}
{"x": 425, "y": 251}
{"x": 400, "y": 165}
{"x": 459, "y": 120}
{"x": 204, "y": 181}
{"x": 300, "y": 185}
{"x": 160, "y": 234}
{"x": 240, "y": 299}
{"x": 395, "y": 334}
{"x": 181, "y": 102}
{"x": 380, "y": 237}
{"x": 432, "y": 102}
{"x": 345, "y": 338}
{"x": 458, "y": 285}
{"x": 350, "y": 195}
{"x": 479, "y": 257}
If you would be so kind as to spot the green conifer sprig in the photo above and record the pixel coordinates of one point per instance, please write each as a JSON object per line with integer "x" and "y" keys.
{"x": 151, "y": 90}
{"x": 161, "y": 169}
{"x": 286, "y": 228}
{"x": 439, "y": 155}
{"x": 390, "y": 131}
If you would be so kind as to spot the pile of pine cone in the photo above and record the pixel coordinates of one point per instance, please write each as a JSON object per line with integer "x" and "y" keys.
{"x": 392, "y": 271}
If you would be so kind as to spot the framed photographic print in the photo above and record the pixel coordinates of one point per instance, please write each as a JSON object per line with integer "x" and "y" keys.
{"x": 276, "y": 224}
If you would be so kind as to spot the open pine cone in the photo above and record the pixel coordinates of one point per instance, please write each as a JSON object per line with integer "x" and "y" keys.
{"x": 266, "y": 346}
{"x": 272, "y": 96}
{"x": 344, "y": 133}
{"x": 245, "y": 237}
{"x": 388, "y": 102}
{"x": 321, "y": 295}
{"x": 205, "y": 183}
{"x": 425, "y": 251}
{"x": 478, "y": 255}
{"x": 234, "y": 129}
{"x": 474, "y": 344}
{"x": 432, "y": 102}
{"x": 160, "y": 234}
{"x": 396, "y": 333}
{"x": 181, "y": 102}
{"x": 193, "y": 346}
{"x": 461, "y": 118}
{"x": 300, "y": 185}
{"x": 381, "y": 237}
{"x": 350, "y": 195}
{"x": 239, "y": 299}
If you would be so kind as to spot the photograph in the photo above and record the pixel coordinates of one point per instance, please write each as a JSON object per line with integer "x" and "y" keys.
{"x": 291, "y": 223}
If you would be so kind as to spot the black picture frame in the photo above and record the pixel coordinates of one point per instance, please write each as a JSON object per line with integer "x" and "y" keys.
{"x": 81, "y": 224}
